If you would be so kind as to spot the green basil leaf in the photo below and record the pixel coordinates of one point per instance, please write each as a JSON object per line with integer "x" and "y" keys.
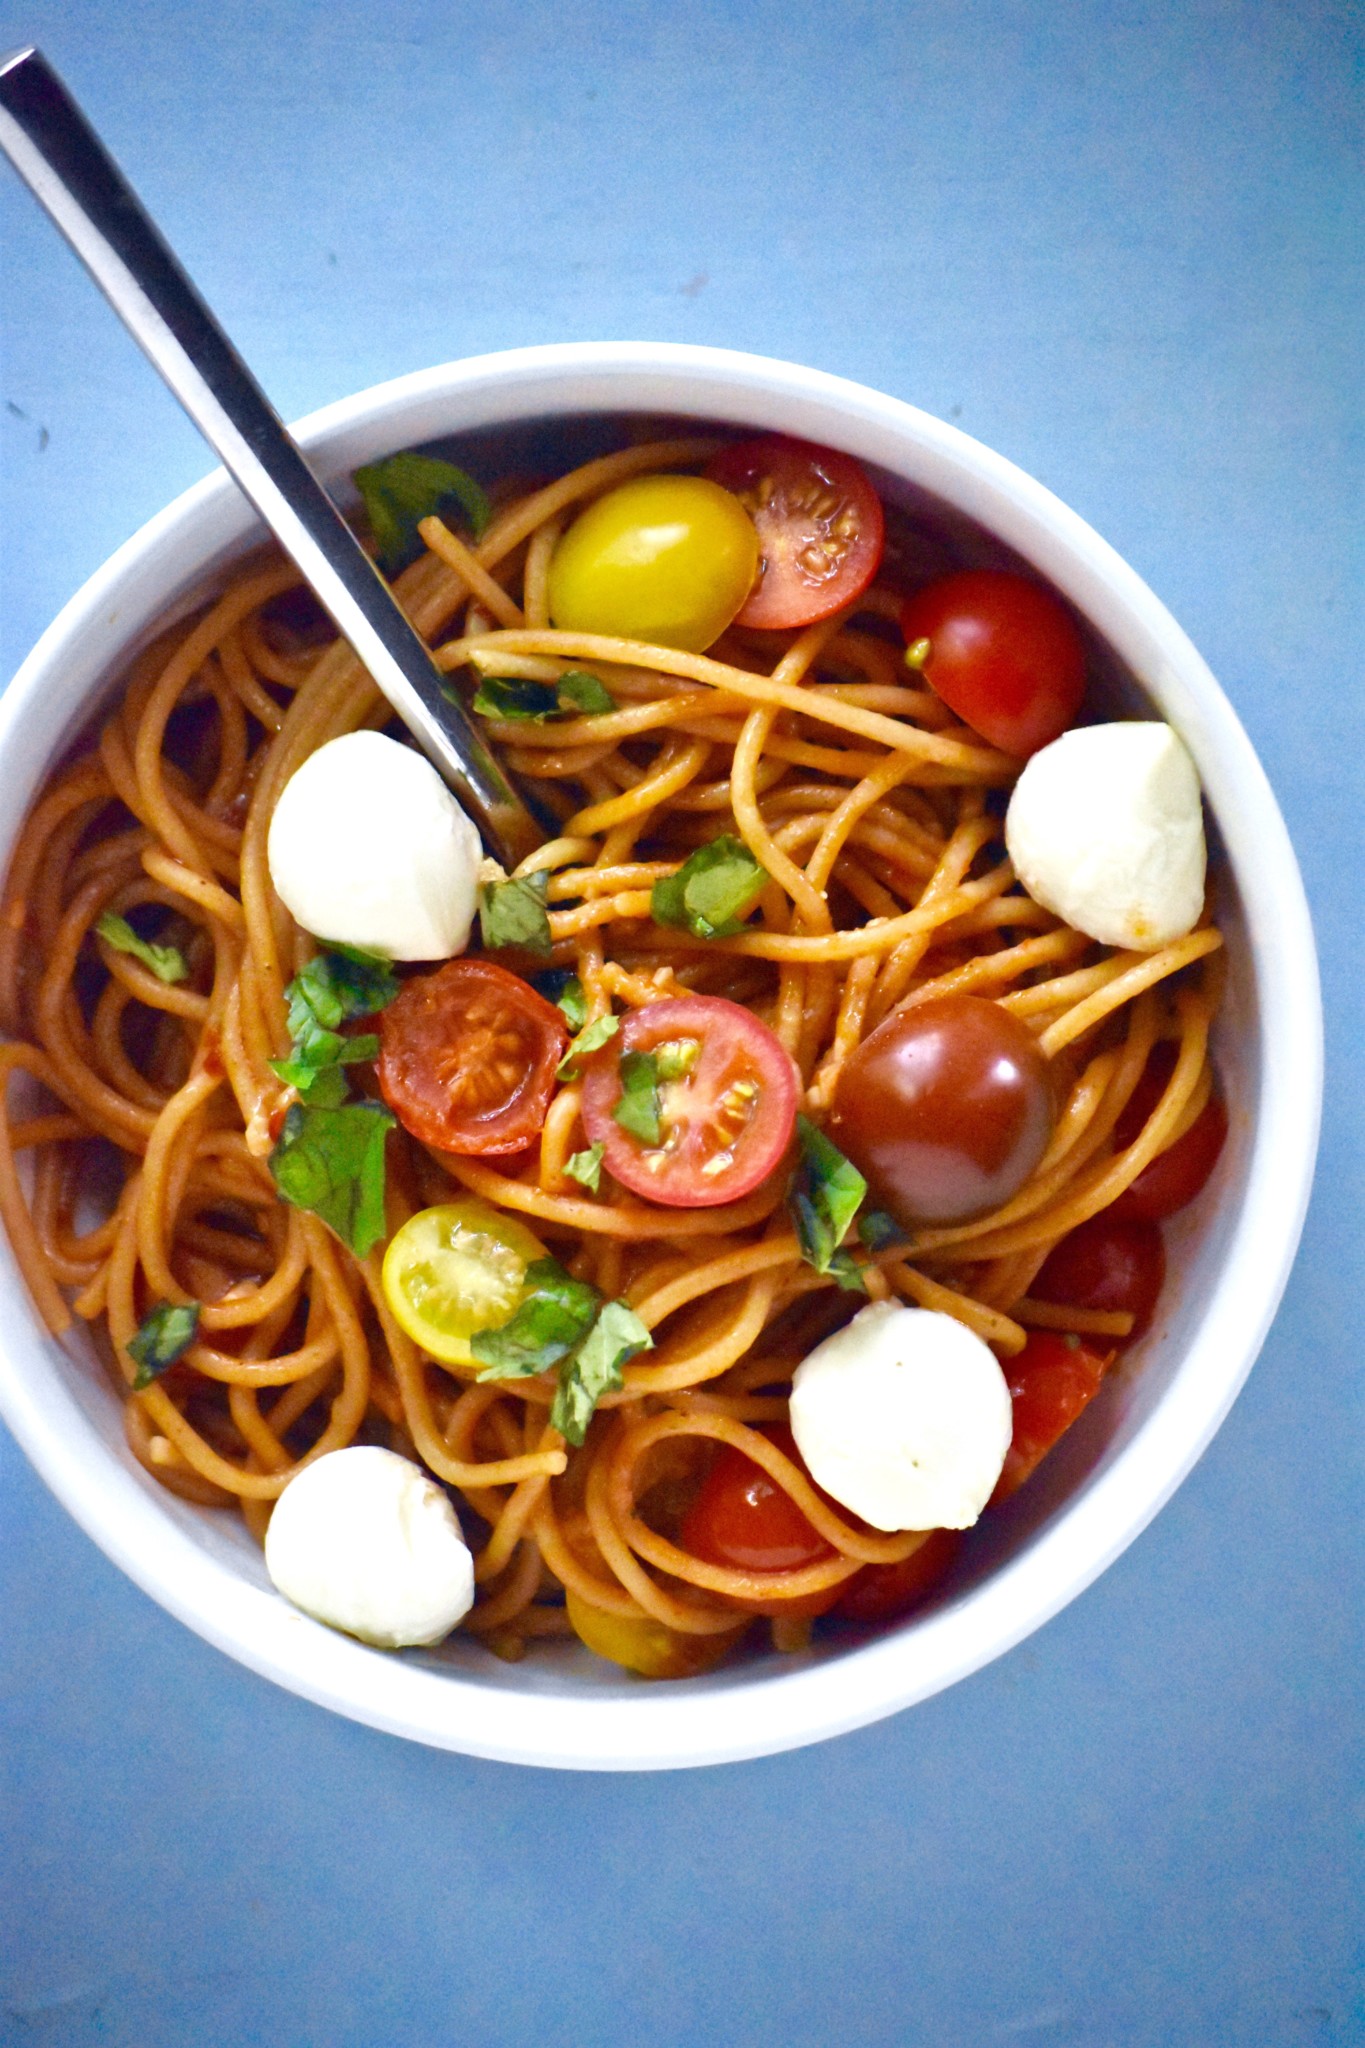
{"x": 713, "y": 891}
{"x": 515, "y": 697}
{"x": 404, "y": 490}
{"x": 581, "y": 691}
{"x": 878, "y": 1231}
{"x": 594, "y": 1369}
{"x": 562, "y": 987}
{"x": 167, "y": 963}
{"x": 331, "y": 1160}
{"x": 512, "y": 913}
{"x": 590, "y": 1039}
{"x": 825, "y": 1195}
{"x": 586, "y": 1167}
{"x": 847, "y": 1273}
{"x": 638, "y": 1109}
{"x": 556, "y": 1314}
{"x": 163, "y": 1336}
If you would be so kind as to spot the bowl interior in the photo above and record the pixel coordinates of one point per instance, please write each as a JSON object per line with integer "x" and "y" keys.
{"x": 954, "y": 505}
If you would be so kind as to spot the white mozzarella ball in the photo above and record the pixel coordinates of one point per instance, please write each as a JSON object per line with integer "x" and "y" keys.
{"x": 365, "y": 1541}
{"x": 1105, "y": 828}
{"x": 905, "y": 1417}
{"x": 369, "y": 848}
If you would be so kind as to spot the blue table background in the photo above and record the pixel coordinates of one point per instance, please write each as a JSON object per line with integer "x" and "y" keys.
{"x": 1122, "y": 244}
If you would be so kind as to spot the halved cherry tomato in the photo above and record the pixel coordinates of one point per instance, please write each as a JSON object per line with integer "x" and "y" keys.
{"x": 455, "y": 1269}
{"x": 1176, "y": 1175}
{"x": 1050, "y": 1381}
{"x": 725, "y": 1116}
{"x": 744, "y": 1520}
{"x": 468, "y": 1057}
{"x": 1002, "y": 653}
{"x": 884, "y": 1592}
{"x": 820, "y": 524}
{"x": 642, "y": 1644}
{"x": 663, "y": 558}
{"x": 1106, "y": 1263}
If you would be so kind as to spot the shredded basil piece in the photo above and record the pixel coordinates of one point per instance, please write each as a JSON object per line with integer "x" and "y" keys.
{"x": 638, "y": 1109}
{"x": 878, "y": 1231}
{"x": 845, "y": 1272}
{"x": 515, "y": 697}
{"x": 713, "y": 891}
{"x": 579, "y": 690}
{"x": 594, "y": 1368}
{"x": 586, "y": 1167}
{"x": 562, "y": 987}
{"x": 402, "y": 491}
{"x": 557, "y": 1313}
{"x": 330, "y": 1159}
{"x": 590, "y": 1039}
{"x": 513, "y": 913}
{"x": 163, "y": 1336}
{"x": 825, "y": 1195}
{"x": 167, "y": 963}
{"x": 335, "y": 987}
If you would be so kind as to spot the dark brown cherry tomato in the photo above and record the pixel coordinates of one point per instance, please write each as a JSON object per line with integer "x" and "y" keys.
{"x": 884, "y": 1592}
{"x": 725, "y": 1117}
{"x": 946, "y": 1108}
{"x": 1106, "y": 1263}
{"x": 1002, "y": 653}
{"x": 820, "y": 524}
{"x": 1050, "y": 1381}
{"x": 1178, "y": 1174}
{"x": 468, "y": 1056}
{"x": 742, "y": 1519}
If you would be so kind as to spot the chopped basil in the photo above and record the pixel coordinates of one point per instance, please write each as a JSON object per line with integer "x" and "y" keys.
{"x": 825, "y": 1195}
{"x": 878, "y": 1231}
{"x": 562, "y": 987}
{"x": 586, "y": 1167}
{"x": 167, "y": 963}
{"x": 713, "y": 891}
{"x": 590, "y": 1039}
{"x": 336, "y": 986}
{"x": 595, "y": 1368}
{"x": 163, "y": 1336}
{"x": 330, "y": 1159}
{"x": 564, "y": 1323}
{"x": 515, "y": 697}
{"x": 406, "y": 489}
{"x": 638, "y": 1109}
{"x": 845, "y": 1272}
{"x": 581, "y": 691}
{"x": 513, "y": 913}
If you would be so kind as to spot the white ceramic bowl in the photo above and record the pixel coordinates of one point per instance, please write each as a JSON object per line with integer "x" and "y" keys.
{"x": 1229, "y": 1255}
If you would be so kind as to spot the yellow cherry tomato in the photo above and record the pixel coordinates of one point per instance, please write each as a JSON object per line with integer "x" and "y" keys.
{"x": 456, "y": 1269}
{"x": 663, "y": 558}
{"x": 645, "y": 1645}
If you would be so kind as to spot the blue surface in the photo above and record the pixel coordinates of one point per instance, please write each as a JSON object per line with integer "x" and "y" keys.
{"x": 1121, "y": 243}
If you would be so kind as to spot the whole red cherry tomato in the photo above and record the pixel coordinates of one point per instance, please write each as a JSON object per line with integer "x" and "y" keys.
{"x": 1106, "y": 1263}
{"x": 884, "y": 1592}
{"x": 1002, "y": 653}
{"x": 742, "y": 1519}
{"x": 468, "y": 1056}
{"x": 820, "y": 524}
{"x": 946, "y": 1108}
{"x": 1176, "y": 1175}
{"x": 1050, "y": 1381}
{"x": 720, "y": 1089}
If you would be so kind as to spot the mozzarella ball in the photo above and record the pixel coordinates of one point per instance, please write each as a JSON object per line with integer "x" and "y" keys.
{"x": 365, "y": 1541}
{"x": 1105, "y": 828}
{"x": 904, "y": 1417}
{"x": 369, "y": 848}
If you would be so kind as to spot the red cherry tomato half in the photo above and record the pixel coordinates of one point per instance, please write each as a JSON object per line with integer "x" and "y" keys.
{"x": 468, "y": 1056}
{"x": 884, "y": 1592}
{"x": 727, "y": 1097}
{"x": 1002, "y": 653}
{"x": 742, "y": 1519}
{"x": 821, "y": 530}
{"x": 946, "y": 1108}
{"x": 1050, "y": 1381}
{"x": 1106, "y": 1263}
{"x": 1176, "y": 1175}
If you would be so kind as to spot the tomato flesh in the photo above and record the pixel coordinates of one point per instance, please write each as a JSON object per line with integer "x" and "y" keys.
{"x": 1050, "y": 1381}
{"x": 1178, "y": 1174}
{"x": 821, "y": 529}
{"x": 456, "y": 1269}
{"x": 664, "y": 558}
{"x": 725, "y": 1120}
{"x": 885, "y": 1592}
{"x": 468, "y": 1056}
{"x": 1003, "y": 654}
{"x": 1107, "y": 1263}
{"x": 742, "y": 1519}
{"x": 946, "y": 1108}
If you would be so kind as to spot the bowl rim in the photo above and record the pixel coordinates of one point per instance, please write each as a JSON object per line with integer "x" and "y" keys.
{"x": 764, "y": 1709}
